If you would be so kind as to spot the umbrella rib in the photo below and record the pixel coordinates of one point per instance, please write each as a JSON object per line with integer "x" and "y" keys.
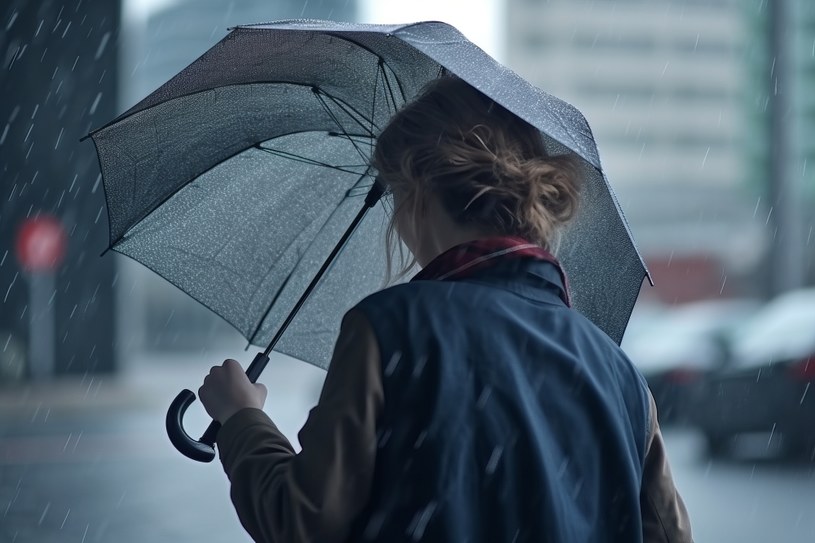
{"x": 366, "y": 141}
{"x": 366, "y": 48}
{"x": 306, "y": 160}
{"x": 348, "y": 110}
{"x": 373, "y": 102}
{"x": 388, "y": 84}
{"x": 339, "y": 124}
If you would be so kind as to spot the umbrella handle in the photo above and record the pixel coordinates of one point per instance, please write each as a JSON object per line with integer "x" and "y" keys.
{"x": 202, "y": 450}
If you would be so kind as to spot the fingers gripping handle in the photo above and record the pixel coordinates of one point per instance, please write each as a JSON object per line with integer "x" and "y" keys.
{"x": 202, "y": 450}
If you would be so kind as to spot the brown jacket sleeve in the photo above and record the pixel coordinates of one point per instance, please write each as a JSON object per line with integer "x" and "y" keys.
{"x": 664, "y": 517}
{"x": 314, "y": 495}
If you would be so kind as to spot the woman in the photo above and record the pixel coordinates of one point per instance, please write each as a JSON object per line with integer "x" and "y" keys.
{"x": 470, "y": 404}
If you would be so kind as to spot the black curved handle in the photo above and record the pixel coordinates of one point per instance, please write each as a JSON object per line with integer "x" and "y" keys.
{"x": 202, "y": 450}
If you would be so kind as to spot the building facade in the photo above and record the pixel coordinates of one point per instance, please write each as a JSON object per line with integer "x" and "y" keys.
{"x": 675, "y": 92}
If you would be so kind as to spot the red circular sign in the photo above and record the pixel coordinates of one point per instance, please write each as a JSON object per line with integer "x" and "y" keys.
{"x": 41, "y": 243}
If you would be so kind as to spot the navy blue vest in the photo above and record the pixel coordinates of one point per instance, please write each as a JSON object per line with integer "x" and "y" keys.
{"x": 508, "y": 416}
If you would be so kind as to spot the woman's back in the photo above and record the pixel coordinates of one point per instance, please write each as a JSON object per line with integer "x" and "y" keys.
{"x": 507, "y": 415}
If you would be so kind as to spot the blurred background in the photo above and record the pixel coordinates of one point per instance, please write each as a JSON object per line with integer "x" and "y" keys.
{"x": 704, "y": 115}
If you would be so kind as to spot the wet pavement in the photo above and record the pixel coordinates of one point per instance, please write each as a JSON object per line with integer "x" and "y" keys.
{"x": 88, "y": 461}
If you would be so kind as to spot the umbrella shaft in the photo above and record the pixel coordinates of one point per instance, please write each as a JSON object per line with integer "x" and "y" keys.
{"x": 256, "y": 367}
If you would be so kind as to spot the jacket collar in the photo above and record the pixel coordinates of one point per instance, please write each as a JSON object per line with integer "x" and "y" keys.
{"x": 509, "y": 257}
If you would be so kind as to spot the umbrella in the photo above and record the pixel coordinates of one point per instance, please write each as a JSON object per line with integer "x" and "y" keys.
{"x": 238, "y": 178}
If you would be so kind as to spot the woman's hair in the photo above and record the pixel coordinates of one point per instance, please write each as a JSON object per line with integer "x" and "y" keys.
{"x": 488, "y": 167}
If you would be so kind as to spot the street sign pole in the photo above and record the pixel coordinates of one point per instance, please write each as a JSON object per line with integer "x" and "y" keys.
{"x": 41, "y": 340}
{"x": 41, "y": 242}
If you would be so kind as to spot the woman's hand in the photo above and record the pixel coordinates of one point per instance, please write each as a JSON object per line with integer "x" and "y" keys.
{"x": 227, "y": 390}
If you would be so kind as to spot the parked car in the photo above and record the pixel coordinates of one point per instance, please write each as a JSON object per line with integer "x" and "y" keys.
{"x": 770, "y": 386}
{"x": 675, "y": 348}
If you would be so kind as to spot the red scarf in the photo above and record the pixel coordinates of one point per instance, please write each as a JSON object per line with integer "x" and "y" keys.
{"x": 462, "y": 260}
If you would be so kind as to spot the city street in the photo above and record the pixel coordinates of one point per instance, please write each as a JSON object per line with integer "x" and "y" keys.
{"x": 101, "y": 469}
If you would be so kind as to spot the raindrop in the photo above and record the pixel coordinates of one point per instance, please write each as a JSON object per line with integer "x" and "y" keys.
{"x": 75, "y": 61}
{"x": 44, "y": 512}
{"x": 61, "y": 526}
{"x": 805, "y": 394}
{"x": 11, "y": 502}
{"x": 102, "y": 44}
{"x": 87, "y": 527}
{"x": 5, "y": 133}
{"x": 66, "y": 31}
{"x": 11, "y": 20}
{"x": 421, "y": 520}
{"x": 14, "y": 280}
{"x": 492, "y": 463}
{"x": 39, "y": 27}
{"x": 14, "y": 58}
{"x": 419, "y": 368}
{"x": 420, "y": 439}
{"x": 96, "y": 183}
{"x": 61, "y": 130}
{"x": 71, "y": 435}
{"x": 724, "y": 280}
{"x": 755, "y": 211}
{"x": 95, "y": 103}
{"x": 809, "y": 238}
{"x": 27, "y": 134}
{"x": 78, "y": 437}
{"x": 36, "y": 412}
{"x": 483, "y": 397}
{"x": 704, "y": 160}
{"x": 769, "y": 214}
